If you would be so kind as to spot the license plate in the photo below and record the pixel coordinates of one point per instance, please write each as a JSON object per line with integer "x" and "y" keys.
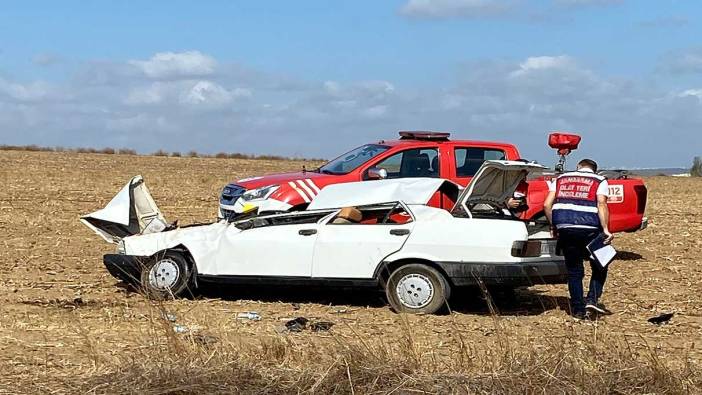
{"x": 616, "y": 194}
{"x": 548, "y": 248}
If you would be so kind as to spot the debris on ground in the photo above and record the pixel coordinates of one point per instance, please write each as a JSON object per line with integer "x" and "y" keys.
{"x": 321, "y": 326}
{"x": 249, "y": 315}
{"x": 169, "y": 317}
{"x": 180, "y": 329}
{"x": 301, "y": 323}
{"x": 661, "y": 319}
{"x": 296, "y": 324}
{"x": 204, "y": 340}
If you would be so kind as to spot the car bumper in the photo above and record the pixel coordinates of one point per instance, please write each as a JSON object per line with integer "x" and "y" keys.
{"x": 507, "y": 274}
{"x": 124, "y": 267}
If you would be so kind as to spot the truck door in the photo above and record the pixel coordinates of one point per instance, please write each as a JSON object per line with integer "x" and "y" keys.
{"x": 414, "y": 162}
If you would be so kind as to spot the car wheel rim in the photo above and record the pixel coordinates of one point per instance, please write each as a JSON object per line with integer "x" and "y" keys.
{"x": 415, "y": 291}
{"x": 164, "y": 274}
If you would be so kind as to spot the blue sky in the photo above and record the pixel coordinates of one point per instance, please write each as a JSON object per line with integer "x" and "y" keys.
{"x": 313, "y": 78}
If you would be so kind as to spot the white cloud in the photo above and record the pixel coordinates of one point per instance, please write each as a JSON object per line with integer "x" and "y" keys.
{"x": 46, "y": 59}
{"x": 516, "y": 101}
{"x": 201, "y": 93}
{"x": 697, "y": 93}
{"x": 375, "y": 111}
{"x": 531, "y": 11}
{"x": 537, "y": 63}
{"x": 583, "y": 3}
{"x": 30, "y": 92}
{"x": 151, "y": 94}
{"x": 332, "y": 87}
{"x": 241, "y": 92}
{"x": 674, "y": 21}
{"x": 166, "y": 65}
{"x": 455, "y": 8}
{"x": 137, "y": 124}
{"x": 683, "y": 62}
{"x": 206, "y": 93}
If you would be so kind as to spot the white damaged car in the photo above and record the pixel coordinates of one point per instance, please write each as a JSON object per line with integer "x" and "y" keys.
{"x": 372, "y": 234}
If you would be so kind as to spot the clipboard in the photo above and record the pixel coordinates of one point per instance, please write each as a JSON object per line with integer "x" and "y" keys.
{"x": 603, "y": 253}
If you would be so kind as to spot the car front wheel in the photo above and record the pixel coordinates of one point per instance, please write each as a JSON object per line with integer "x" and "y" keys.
{"x": 418, "y": 289}
{"x": 167, "y": 275}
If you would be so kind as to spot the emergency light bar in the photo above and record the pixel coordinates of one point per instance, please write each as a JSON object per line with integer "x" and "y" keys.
{"x": 565, "y": 143}
{"x": 423, "y": 135}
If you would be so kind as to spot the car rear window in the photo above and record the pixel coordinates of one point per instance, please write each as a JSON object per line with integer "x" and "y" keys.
{"x": 469, "y": 159}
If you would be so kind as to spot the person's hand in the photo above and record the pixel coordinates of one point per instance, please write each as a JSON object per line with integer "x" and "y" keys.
{"x": 554, "y": 232}
{"x": 513, "y": 203}
{"x": 608, "y": 236}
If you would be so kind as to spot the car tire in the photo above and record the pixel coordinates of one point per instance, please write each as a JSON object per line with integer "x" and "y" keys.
{"x": 166, "y": 276}
{"x": 417, "y": 289}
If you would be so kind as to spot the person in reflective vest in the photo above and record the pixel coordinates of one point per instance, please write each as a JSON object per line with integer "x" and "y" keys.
{"x": 576, "y": 207}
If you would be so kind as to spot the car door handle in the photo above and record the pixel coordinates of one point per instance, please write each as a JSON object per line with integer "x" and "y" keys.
{"x": 399, "y": 232}
{"x": 307, "y": 232}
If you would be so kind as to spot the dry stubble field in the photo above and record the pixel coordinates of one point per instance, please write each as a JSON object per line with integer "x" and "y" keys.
{"x": 66, "y": 326}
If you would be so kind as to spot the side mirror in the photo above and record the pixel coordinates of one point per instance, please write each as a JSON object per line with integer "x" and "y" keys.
{"x": 375, "y": 173}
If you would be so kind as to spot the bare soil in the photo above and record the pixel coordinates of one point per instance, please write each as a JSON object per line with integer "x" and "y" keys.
{"x": 67, "y": 326}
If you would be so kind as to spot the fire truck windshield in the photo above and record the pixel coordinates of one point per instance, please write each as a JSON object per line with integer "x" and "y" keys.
{"x": 351, "y": 160}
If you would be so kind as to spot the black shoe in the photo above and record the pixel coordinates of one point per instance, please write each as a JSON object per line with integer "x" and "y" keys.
{"x": 579, "y": 316}
{"x": 597, "y": 308}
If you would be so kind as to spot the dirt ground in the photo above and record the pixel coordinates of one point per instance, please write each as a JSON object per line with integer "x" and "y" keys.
{"x": 62, "y": 314}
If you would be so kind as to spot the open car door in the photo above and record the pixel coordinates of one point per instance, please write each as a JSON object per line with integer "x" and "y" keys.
{"x": 494, "y": 182}
{"x": 132, "y": 211}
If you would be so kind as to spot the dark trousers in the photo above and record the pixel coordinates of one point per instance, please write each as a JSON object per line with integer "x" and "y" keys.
{"x": 573, "y": 243}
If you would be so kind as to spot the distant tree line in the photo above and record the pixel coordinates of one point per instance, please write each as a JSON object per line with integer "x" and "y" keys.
{"x": 696, "y": 169}
{"x": 128, "y": 151}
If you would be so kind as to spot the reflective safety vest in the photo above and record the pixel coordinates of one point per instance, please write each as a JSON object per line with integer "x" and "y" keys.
{"x": 576, "y": 200}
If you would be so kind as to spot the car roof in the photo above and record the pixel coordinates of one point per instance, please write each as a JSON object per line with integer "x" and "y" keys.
{"x": 433, "y": 143}
{"x": 417, "y": 190}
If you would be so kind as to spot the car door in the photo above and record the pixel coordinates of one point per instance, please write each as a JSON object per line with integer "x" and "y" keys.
{"x": 279, "y": 250}
{"x": 355, "y": 250}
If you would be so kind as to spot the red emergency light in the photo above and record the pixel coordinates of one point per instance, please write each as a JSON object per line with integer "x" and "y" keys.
{"x": 424, "y": 135}
{"x": 563, "y": 142}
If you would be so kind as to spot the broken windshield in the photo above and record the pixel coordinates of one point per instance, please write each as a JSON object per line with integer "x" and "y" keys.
{"x": 351, "y": 160}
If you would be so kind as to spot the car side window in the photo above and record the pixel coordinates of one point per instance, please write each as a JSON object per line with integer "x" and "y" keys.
{"x": 469, "y": 160}
{"x": 420, "y": 162}
{"x": 388, "y": 215}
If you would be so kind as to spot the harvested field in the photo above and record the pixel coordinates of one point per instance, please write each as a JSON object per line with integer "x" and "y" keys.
{"x": 67, "y": 327}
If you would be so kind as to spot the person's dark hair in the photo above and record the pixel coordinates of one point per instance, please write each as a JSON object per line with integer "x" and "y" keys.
{"x": 588, "y": 163}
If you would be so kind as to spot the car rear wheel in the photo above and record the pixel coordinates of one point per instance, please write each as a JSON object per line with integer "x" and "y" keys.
{"x": 166, "y": 276}
{"x": 417, "y": 289}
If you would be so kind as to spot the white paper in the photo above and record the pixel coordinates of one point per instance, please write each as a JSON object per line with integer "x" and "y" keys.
{"x": 605, "y": 255}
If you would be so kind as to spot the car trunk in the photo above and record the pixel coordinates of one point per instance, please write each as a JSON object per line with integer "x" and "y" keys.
{"x": 132, "y": 211}
{"x": 494, "y": 183}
